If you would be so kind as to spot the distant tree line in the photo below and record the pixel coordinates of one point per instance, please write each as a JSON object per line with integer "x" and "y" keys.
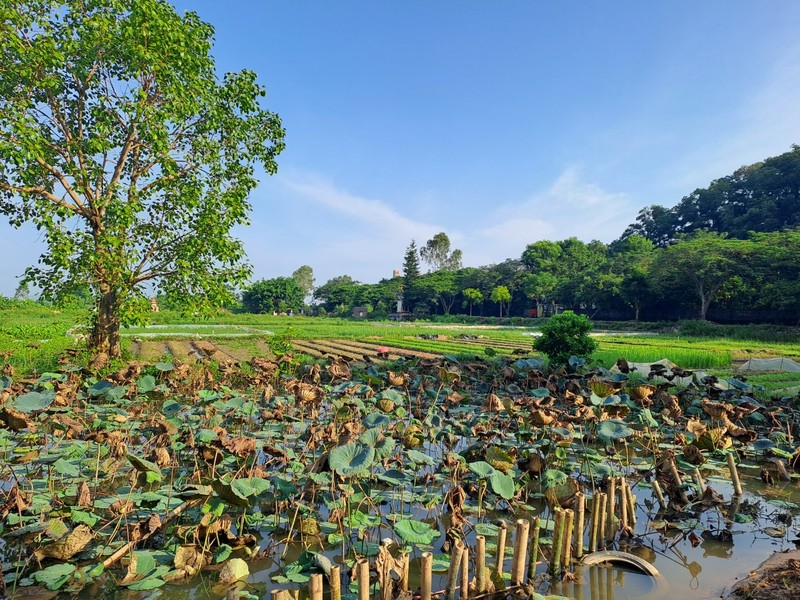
{"x": 733, "y": 247}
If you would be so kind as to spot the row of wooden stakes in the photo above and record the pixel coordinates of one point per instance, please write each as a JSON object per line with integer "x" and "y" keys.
{"x": 613, "y": 513}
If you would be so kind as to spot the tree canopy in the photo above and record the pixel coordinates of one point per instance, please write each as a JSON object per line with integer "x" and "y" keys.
{"x": 281, "y": 294}
{"x": 119, "y": 142}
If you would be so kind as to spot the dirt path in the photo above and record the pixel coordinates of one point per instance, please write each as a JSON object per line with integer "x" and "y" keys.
{"x": 777, "y": 578}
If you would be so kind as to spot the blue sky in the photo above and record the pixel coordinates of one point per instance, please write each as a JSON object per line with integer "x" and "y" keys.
{"x": 500, "y": 123}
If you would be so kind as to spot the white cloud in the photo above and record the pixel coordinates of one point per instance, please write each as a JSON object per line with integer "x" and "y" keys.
{"x": 569, "y": 207}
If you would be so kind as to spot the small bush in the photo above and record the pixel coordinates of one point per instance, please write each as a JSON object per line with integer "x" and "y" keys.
{"x": 565, "y": 335}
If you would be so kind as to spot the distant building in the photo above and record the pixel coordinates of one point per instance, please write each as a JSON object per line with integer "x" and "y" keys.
{"x": 359, "y": 312}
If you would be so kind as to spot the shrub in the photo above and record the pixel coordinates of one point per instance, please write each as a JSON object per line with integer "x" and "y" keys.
{"x": 565, "y": 335}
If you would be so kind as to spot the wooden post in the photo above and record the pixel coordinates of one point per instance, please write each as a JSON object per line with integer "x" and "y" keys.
{"x": 678, "y": 482}
{"x": 335, "y": 583}
{"x": 465, "y": 573}
{"x": 595, "y": 522}
{"x": 452, "y": 573}
{"x": 363, "y": 579}
{"x": 403, "y": 583}
{"x": 315, "y": 587}
{"x": 480, "y": 565}
{"x": 566, "y": 552}
{"x": 737, "y": 484}
{"x": 611, "y": 507}
{"x": 698, "y": 479}
{"x": 580, "y": 525}
{"x": 602, "y": 518}
{"x": 558, "y": 536}
{"x": 426, "y": 568}
{"x": 623, "y": 504}
{"x": 659, "y": 494}
{"x": 532, "y": 562}
{"x": 501, "y": 547}
{"x": 631, "y": 504}
{"x": 520, "y": 551}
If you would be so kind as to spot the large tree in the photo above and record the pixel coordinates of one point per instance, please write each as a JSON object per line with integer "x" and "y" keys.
{"x": 281, "y": 294}
{"x": 437, "y": 254}
{"x": 304, "y": 276}
{"x": 122, "y": 145}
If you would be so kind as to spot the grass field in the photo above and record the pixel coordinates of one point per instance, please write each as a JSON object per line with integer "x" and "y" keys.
{"x": 33, "y": 336}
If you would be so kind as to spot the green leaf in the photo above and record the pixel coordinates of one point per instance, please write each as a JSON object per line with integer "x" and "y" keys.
{"x": 351, "y": 459}
{"x": 54, "y": 576}
{"x": 32, "y": 402}
{"x": 552, "y": 478}
{"x": 614, "y": 429}
{"x": 100, "y": 388}
{"x": 419, "y": 458}
{"x": 502, "y": 485}
{"x": 145, "y": 466}
{"x": 415, "y": 532}
{"x": 146, "y": 384}
{"x": 250, "y": 486}
{"x": 481, "y": 468}
{"x": 65, "y": 467}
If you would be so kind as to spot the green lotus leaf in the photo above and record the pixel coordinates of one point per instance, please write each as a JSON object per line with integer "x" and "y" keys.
{"x": 502, "y": 485}
{"x": 351, "y": 459}
{"x": 415, "y": 532}
{"x": 614, "y": 429}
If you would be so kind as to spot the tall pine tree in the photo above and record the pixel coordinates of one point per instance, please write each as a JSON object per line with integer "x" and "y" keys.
{"x": 410, "y": 274}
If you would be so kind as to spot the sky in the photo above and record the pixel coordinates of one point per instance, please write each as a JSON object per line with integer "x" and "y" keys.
{"x": 500, "y": 123}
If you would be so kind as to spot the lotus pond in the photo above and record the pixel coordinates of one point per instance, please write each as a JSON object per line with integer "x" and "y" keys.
{"x": 154, "y": 480}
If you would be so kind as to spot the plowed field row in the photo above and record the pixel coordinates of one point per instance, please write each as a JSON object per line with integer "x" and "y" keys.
{"x": 352, "y": 349}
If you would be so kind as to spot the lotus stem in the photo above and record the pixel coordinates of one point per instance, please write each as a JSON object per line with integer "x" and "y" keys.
{"x": 335, "y": 583}
{"x": 532, "y": 561}
{"x": 737, "y": 484}
{"x": 520, "y": 551}
{"x": 558, "y": 534}
{"x": 480, "y": 564}
{"x": 501, "y": 548}
{"x": 315, "y": 587}
{"x": 452, "y": 572}
{"x": 566, "y": 552}
{"x": 363, "y": 579}
{"x": 580, "y": 498}
{"x": 426, "y": 566}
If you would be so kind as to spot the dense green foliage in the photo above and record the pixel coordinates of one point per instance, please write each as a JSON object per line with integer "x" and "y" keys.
{"x": 565, "y": 335}
{"x": 279, "y": 295}
{"x": 119, "y": 142}
{"x": 762, "y": 197}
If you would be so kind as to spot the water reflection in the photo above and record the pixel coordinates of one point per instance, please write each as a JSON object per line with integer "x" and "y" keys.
{"x": 610, "y": 582}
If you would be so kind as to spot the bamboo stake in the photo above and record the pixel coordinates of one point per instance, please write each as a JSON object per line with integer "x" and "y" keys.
{"x": 566, "y": 552}
{"x": 480, "y": 564}
{"x": 426, "y": 566}
{"x": 501, "y": 547}
{"x": 595, "y": 522}
{"x": 659, "y": 493}
{"x": 465, "y": 573}
{"x": 315, "y": 587}
{"x": 403, "y": 583}
{"x": 623, "y": 504}
{"x": 521, "y": 532}
{"x": 293, "y": 594}
{"x": 335, "y": 582}
{"x": 534, "y": 557}
{"x": 452, "y": 573}
{"x": 698, "y": 479}
{"x": 612, "y": 497}
{"x": 602, "y": 519}
{"x": 737, "y": 484}
{"x": 277, "y": 595}
{"x": 581, "y": 516}
{"x": 678, "y": 482}
{"x": 363, "y": 579}
{"x": 558, "y": 534}
{"x": 631, "y": 504}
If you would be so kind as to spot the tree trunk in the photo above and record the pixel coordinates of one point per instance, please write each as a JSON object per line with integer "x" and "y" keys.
{"x": 105, "y": 332}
